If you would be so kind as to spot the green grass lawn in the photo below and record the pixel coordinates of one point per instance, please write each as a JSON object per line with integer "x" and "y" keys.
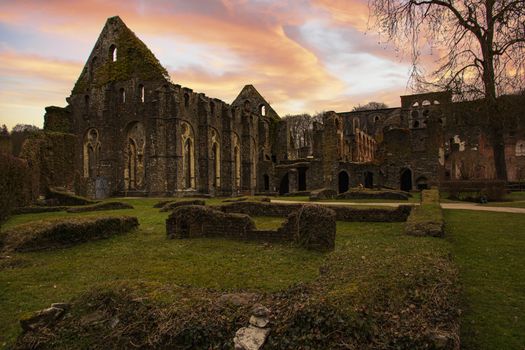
{"x": 369, "y": 257}
{"x": 489, "y": 250}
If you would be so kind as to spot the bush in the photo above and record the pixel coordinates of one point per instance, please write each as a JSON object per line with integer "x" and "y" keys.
{"x": 40, "y": 235}
{"x": 427, "y": 218}
{"x": 100, "y": 206}
{"x": 475, "y": 191}
{"x": 15, "y": 181}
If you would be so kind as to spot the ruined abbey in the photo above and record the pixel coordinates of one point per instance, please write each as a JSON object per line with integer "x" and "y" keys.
{"x": 140, "y": 134}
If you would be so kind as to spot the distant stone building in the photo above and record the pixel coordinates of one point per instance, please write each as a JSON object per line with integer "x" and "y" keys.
{"x": 140, "y": 134}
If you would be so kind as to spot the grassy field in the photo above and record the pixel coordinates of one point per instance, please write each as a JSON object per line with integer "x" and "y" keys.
{"x": 488, "y": 249}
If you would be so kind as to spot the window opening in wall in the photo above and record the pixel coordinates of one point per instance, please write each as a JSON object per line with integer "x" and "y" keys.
{"x": 263, "y": 110}
{"x": 186, "y": 100}
{"x": 426, "y": 103}
{"x": 113, "y": 53}
{"x": 122, "y": 96}
{"x": 520, "y": 148}
{"x": 266, "y": 179}
{"x": 212, "y": 108}
{"x": 406, "y": 180}
{"x": 416, "y": 124}
{"x": 142, "y": 93}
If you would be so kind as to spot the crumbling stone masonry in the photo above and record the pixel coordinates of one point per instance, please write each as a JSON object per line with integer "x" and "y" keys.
{"x": 310, "y": 226}
{"x": 137, "y": 133}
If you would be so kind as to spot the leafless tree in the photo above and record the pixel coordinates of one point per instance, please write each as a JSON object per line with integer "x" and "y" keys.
{"x": 370, "y": 106}
{"x": 480, "y": 44}
{"x": 300, "y": 127}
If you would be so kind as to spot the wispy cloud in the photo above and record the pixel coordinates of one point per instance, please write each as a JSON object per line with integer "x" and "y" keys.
{"x": 302, "y": 55}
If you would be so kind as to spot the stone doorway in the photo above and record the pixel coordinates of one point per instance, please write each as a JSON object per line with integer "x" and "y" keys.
{"x": 406, "y": 180}
{"x": 301, "y": 179}
{"x": 344, "y": 182}
{"x": 284, "y": 187}
{"x": 368, "y": 179}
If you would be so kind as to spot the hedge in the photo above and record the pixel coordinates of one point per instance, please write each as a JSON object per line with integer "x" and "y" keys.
{"x": 49, "y": 234}
{"x": 475, "y": 191}
{"x": 100, "y": 206}
{"x": 363, "y": 193}
{"x": 427, "y": 218}
{"x": 15, "y": 181}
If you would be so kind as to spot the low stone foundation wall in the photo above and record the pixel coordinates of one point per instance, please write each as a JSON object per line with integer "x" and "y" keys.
{"x": 343, "y": 213}
{"x": 199, "y": 221}
{"x": 310, "y": 226}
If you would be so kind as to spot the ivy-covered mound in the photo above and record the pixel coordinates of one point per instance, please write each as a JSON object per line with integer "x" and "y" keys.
{"x": 100, "y": 206}
{"x": 403, "y": 296}
{"x": 57, "y": 233}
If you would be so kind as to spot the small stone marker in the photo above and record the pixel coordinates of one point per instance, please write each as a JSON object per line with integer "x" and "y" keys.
{"x": 254, "y": 336}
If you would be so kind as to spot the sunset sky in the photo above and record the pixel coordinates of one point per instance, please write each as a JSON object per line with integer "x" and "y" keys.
{"x": 303, "y": 56}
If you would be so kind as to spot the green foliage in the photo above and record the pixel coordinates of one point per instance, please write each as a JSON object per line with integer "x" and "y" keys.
{"x": 48, "y": 234}
{"x": 135, "y": 60}
{"x": 15, "y": 179}
{"x": 488, "y": 249}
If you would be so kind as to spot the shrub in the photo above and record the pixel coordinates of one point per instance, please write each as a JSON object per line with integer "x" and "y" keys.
{"x": 427, "y": 218}
{"x": 100, "y": 206}
{"x": 48, "y": 234}
{"x": 15, "y": 181}
{"x": 364, "y": 193}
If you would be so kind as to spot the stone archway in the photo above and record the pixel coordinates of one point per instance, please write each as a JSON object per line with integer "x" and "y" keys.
{"x": 406, "y": 180}
{"x": 343, "y": 182}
